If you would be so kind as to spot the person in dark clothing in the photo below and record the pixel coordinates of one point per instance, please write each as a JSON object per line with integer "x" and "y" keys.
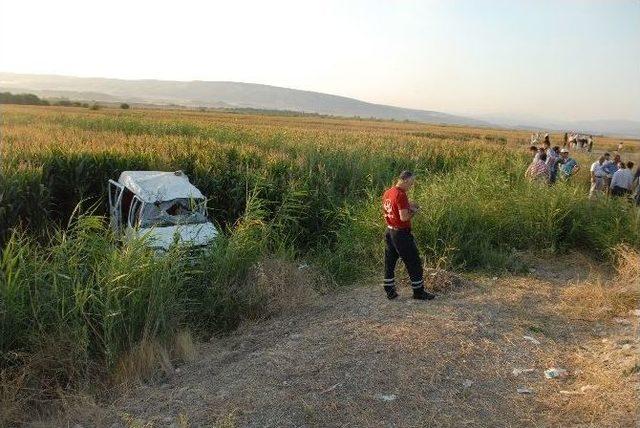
{"x": 399, "y": 242}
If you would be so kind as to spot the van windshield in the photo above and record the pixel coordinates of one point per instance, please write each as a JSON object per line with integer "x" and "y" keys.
{"x": 174, "y": 212}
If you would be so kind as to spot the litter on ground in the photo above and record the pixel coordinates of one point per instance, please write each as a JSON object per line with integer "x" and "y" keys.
{"x": 518, "y": 372}
{"x": 531, "y": 339}
{"x": 554, "y": 373}
{"x": 583, "y": 390}
{"x": 386, "y": 397}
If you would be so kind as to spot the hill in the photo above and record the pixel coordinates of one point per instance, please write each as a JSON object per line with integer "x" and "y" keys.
{"x": 217, "y": 94}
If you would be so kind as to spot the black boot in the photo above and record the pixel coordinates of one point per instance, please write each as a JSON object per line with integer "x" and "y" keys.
{"x": 422, "y": 294}
{"x": 391, "y": 292}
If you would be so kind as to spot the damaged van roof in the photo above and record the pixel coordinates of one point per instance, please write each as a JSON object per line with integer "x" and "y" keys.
{"x": 157, "y": 186}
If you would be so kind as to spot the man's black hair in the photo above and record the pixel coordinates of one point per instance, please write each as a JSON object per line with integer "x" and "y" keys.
{"x": 405, "y": 175}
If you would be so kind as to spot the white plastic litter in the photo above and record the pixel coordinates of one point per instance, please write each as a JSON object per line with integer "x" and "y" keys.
{"x": 531, "y": 339}
{"x": 386, "y": 397}
{"x": 518, "y": 372}
{"x": 525, "y": 391}
{"x": 554, "y": 373}
{"x": 583, "y": 390}
{"x": 586, "y": 388}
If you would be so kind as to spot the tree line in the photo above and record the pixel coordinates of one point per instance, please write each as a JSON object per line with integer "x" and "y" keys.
{"x": 34, "y": 100}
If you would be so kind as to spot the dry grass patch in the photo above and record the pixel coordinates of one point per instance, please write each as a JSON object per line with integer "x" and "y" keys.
{"x": 603, "y": 390}
{"x": 286, "y": 286}
{"x": 13, "y": 402}
{"x": 440, "y": 280}
{"x": 599, "y": 300}
{"x": 149, "y": 359}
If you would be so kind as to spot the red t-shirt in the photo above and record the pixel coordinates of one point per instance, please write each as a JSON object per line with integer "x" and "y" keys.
{"x": 394, "y": 200}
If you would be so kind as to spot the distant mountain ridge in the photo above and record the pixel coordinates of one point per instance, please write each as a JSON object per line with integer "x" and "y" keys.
{"x": 218, "y": 94}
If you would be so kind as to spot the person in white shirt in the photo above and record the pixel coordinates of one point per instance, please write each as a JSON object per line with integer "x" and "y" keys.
{"x": 597, "y": 178}
{"x": 622, "y": 179}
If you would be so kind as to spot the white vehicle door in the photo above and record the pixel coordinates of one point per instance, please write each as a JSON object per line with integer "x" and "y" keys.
{"x": 116, "y": 191}
{"x": 134, "y": 212}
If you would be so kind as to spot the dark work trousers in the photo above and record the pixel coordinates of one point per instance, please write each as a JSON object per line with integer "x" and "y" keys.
{"x": 619, "y": 191}
{"x": 400, "y": 244}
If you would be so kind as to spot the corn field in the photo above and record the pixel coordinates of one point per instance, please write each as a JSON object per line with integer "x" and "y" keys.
{"x": 301, "y": 188}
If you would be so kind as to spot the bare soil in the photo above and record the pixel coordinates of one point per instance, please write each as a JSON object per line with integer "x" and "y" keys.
{"x": 354, "y": 358}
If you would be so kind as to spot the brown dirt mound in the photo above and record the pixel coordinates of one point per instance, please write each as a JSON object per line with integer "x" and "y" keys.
{"x": 440, "y": 280}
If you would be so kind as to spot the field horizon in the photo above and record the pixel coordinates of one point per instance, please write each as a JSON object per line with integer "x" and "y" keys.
{"x": 241, "y": 95}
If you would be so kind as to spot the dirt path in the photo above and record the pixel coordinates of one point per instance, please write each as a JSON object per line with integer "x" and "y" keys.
{"x": 354, "y": 358}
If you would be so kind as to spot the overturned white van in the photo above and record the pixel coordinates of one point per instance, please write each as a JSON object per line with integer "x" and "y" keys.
{"x": 163, "y": 207}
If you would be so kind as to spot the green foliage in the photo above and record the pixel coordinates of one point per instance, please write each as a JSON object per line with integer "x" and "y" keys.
{"x": 480, "y": 218}
{"x": 24, "y": 99}
{"x": 69, "y": 103}
{"x": 124, "y": 106}
{"x": 110, "y": 297}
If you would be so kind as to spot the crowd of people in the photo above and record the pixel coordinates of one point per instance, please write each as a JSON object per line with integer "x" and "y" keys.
{"x": 608, "y": 176}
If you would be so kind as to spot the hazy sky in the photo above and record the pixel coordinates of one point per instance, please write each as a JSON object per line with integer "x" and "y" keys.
{"x": 572, "y": 59}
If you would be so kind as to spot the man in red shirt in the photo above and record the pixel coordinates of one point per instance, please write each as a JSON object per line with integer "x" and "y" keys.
{"x": 398, "y": 212}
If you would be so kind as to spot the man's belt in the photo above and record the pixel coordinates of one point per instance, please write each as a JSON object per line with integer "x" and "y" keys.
{"x": 398, "y": 228}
